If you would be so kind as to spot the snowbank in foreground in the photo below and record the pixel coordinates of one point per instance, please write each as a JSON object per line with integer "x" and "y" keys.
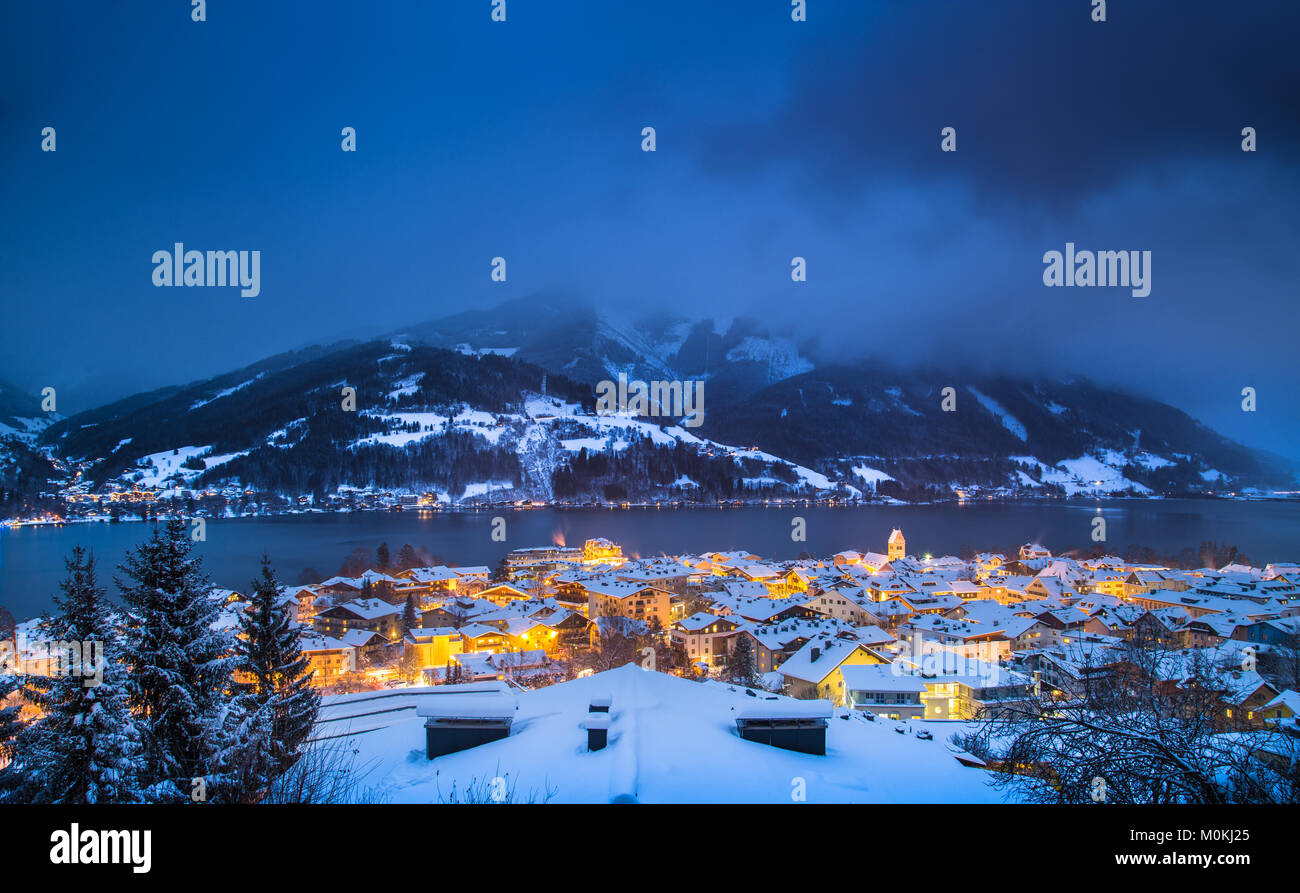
{"x": 670, "y": 741}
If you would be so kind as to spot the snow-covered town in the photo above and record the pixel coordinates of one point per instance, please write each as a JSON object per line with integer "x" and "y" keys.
{"x": 868, "y": 676}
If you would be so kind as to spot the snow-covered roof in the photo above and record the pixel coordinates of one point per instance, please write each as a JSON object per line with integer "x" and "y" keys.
{"x": 880, "y": 677}
{"x": 671, "y": 740}
{"x": 367, "y": 608}
{"x": 818, "y": 658}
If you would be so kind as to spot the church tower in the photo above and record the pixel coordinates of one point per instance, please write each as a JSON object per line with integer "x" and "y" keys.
{"x": 897, "y": 545}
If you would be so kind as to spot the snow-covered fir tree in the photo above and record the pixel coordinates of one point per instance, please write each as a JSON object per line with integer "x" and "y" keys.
{"x": 276, "y": 699}
{"x": 181, "y": 663}
{"x": 409, "y": 618}
{"x": 85, "y": 744}
{"x": 741, "y": 666}
{"x": 9, "y": 725}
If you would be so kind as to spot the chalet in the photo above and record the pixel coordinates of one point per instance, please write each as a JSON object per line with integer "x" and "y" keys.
{"x": 1049, "y": 587}
{"x": 960, "y": 688}
{"x": 370, "y": 646}
{"x": 925, "y": 603}
{"x": 532, "y": 664}
{"x": 844, "y": 602}
{"x": 892, "y": 613}
{"x": 527, "y": 634}
{"x": 746, "y": 589}
{"x": 875, "y": 562}
{"x": 1009, "y": 588}
{"x": 1247, "y": 699}
{"x": 1139, "y": 582}
{"x": 677, "y": 578}
{"x": 1210, "y": 630}
{"x": 932, "y": 633}
{"x": 608, "y": 598}
{"x": 339, "y": 588}
{"x": 370, "y": 614}
{"x": 1283, "y": 631}
{"x": 814, "y": 670}
{"x": 457, "y": 612}
{"x": 426, "y": 581}
{"x": 572, "y": 630}
{"x": 760, "y": 610}
{"x": 706, "y": 638}
{"x": 881, "y": 689}
{"x": 471, "y": 573}
{"x": 1286, "y": 706}
{"x": 502, "y": 594}
{"x": 304, "y": 601}
{"x": 328, "y": 658}
{"x": 1161, "y": 626}
{"x": 1033, "y": 552}
{"x": 541, "y": 561}
{"x": 989, "y": 563}
{"x": 478, "y": 638}
{"x": 719, "y": 562}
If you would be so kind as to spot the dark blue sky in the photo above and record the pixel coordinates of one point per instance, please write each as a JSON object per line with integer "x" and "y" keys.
{"x": 775, "y": 139}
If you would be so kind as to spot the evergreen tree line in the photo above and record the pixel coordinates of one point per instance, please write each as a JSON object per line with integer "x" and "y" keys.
{"x": 645, "y": 468}
{"x": 319, "y": 463}
{"x": 176, "y": 707}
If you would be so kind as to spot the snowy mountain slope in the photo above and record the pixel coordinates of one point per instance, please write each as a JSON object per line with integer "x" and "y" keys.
{"x": 482, "y": 417}
{"x": 1063, "y": 436}
{"x": 24, "y": 467}
{"x": 21, "y": 416}
{"x": 459, "y": 425}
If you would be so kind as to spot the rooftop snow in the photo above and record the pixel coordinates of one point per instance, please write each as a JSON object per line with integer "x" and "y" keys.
{"x": 670, "y": 741}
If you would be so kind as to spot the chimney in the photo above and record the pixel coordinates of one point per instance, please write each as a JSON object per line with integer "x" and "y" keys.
{"x": 597, "y": 731}
{"x": 816, "y": 653}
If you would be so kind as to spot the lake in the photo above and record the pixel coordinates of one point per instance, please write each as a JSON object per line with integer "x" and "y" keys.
{"x": 31, "y": 558}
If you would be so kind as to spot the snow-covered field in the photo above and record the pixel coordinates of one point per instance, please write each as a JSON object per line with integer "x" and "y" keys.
{"x": 670, "y": 741}
{"x": 156, "y": 469}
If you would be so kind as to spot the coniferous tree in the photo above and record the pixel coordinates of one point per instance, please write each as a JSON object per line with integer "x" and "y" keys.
{"x": 382, "y": 556}
{"x": 740, "y": 664}
{"x": 9, "y": 725}
{"x": 84, "y": 746}
{"x": 406, "y": 558}
{"x": 9, "y": 683}
{"x": 181, "y": 663}
{"x": 277, "y": 701}
{"x": 409, "y": 619}
{"x": 7, "y": 624}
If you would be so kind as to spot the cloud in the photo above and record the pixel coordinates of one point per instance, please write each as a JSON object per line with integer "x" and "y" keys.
{"x": 1048, "y": 105}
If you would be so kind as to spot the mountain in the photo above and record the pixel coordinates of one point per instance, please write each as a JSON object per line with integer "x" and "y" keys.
{"x": 1065, "y": 436}
{"x": 575, "y": 340}
{"x": 21, "y": 416}
{"x": 24, "y": 469}
{"x": 459, "y": 425}
{"x": 501, "y": 403}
